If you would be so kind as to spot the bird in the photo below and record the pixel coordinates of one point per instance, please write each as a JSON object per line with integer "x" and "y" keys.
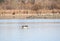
{"x": 24, "y": 26}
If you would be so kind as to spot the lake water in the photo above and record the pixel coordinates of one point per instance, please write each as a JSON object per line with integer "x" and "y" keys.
{"x": 38, "y": 30}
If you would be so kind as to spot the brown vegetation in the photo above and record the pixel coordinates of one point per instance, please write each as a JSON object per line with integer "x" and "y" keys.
{"x": 30, "y": 4}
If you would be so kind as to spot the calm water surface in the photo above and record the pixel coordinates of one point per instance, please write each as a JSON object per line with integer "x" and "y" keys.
{"x": 40, "y": 30}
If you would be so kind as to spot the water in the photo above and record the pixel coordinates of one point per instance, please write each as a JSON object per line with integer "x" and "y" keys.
{"x": 38, "y": 30}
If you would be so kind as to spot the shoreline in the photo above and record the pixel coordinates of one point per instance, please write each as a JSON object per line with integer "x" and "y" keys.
{"x": 29, "y": 14}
